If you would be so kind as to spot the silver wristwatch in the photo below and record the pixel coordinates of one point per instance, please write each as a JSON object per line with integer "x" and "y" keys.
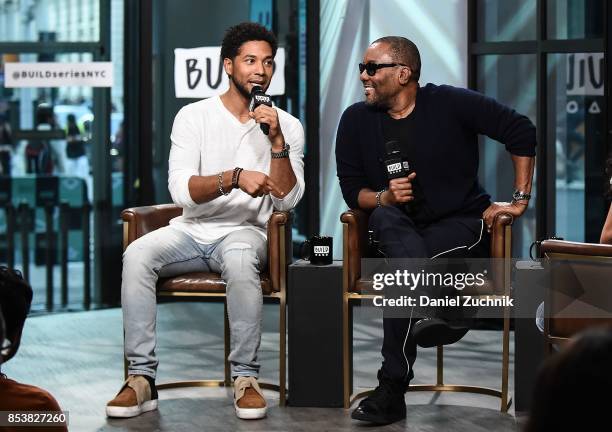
{"x": 284, "y": 153}
{"x": 520, "y": 196}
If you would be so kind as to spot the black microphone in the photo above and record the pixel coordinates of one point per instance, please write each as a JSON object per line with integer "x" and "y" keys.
{"x": 259, "y": 97}
{"x": 397, "y": 166}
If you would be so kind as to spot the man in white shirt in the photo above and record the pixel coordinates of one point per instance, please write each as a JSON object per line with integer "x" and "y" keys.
{"x": 228, "y": 176}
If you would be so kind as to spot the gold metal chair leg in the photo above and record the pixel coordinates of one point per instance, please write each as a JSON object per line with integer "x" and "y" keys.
{"x": 346, "y": 361}
{"x": 440, "y": 365}
{"x": 226, "y": 346}
{"x": 282, "y": 351}
{"x": 505, "y": 403}
{"x": 505, "y": 362}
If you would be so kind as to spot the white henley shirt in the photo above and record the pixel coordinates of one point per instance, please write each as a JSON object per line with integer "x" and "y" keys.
{"x": 206, "y": 140}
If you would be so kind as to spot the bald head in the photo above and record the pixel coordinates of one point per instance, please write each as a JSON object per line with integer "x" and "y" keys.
{"x": 403, "y": 51}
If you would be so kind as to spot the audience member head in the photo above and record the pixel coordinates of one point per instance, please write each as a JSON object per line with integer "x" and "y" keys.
{"x": 571, "y": 386}
{"x": 15, "y": 301}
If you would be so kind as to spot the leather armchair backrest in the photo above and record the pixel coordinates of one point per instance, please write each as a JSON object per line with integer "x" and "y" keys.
{"x": 580, "y": 255}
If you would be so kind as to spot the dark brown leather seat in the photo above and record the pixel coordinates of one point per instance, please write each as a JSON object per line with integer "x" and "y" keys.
{"x": 355, "y": 235}
{"x": 139, "y": 221}
{"x": 558, "y": 330}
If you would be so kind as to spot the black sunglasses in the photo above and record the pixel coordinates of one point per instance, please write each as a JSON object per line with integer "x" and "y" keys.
{"x": 371, "y": 67}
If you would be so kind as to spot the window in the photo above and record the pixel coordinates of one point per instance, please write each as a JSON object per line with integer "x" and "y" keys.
{"x": 545, "y": 58}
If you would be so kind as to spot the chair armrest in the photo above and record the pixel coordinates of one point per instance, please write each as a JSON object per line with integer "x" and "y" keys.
{"x": 138, "y": 221}
{"x": 355, "y": 239}
{"x": 498, "y": 235}
{"x": 574, "y": 248}
{"x": 279, "y": 254}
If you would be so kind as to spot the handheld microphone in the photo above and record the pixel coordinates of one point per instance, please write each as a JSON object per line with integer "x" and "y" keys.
{"x": 258, "y": 97}
{"x": 397, "y": 166}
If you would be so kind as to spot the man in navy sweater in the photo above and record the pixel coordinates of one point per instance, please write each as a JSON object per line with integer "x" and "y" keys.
{"x": 440, "y": 209}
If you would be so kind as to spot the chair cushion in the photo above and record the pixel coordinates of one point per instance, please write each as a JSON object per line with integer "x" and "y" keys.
{"x": 202, "y": 282}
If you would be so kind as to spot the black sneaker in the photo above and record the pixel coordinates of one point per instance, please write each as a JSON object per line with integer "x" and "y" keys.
{"x": 431, "y": 332}
{"x": 385, "y": 405}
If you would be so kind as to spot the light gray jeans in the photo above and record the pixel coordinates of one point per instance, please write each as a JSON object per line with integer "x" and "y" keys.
{"x": 165, "y": 252}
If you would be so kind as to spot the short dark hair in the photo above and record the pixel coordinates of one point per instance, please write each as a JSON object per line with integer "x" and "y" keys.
{"x": 404, "y": 51}
{"x": 15, "y": 300}
{"x": 244, "y": 32}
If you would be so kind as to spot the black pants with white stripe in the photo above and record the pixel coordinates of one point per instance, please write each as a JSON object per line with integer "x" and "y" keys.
{"x": 399, "y": 237}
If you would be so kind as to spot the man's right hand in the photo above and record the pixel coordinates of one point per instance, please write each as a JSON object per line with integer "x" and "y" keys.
{"x": 400, "y": 191}
{"x": 256, "y": 183}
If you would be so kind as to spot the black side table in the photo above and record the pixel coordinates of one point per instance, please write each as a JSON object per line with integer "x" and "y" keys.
{"x": 528, "y": 341}
{"x": 314, "y": 299}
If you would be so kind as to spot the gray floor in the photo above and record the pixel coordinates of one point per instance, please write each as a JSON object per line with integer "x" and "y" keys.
{"x": 78, "y": 357}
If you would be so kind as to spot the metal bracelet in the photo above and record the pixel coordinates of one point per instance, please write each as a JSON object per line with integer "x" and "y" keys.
{"x": 520, "y": 196}
{"x": 378, "y": 195}
{"x": 220, "y": 184}
{"x": 284, "y": 153}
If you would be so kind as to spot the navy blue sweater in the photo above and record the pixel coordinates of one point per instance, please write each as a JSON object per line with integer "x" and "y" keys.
{"x": 444, "y": 148}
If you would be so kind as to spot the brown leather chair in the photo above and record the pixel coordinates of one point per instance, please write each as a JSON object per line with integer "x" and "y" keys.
{"x": 355, "y": 236}
{"x": 139, "y": 221}
{"x": 578, "y": 257}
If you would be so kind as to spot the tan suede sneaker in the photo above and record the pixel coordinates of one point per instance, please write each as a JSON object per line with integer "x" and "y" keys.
{"x": 249, "y": 401}
{"x": 135, "y": 397}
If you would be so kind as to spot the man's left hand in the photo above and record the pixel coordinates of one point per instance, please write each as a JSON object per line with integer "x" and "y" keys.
{"x": 516, "y": 209}
{"x": 268, "y": 115}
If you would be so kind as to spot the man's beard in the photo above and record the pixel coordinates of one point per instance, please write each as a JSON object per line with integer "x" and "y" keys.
{"x": 381, "y": 102}
{"x": 377, "y": 104}
{"x": 241, "y": 89}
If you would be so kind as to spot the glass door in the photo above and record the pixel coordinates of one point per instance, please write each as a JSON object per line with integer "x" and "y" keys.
{"x": 58, "y": 149}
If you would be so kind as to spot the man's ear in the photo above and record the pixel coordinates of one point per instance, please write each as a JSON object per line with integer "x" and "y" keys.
{"x": 405, "y": 75}
{"x": 228, "y": 65}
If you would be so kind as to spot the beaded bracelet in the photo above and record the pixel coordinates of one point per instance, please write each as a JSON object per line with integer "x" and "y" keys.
{"x": 236, "y": 177}
{"x": 220, "y": 184}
